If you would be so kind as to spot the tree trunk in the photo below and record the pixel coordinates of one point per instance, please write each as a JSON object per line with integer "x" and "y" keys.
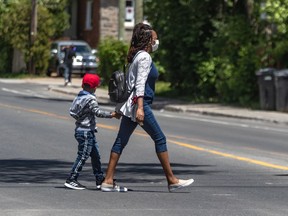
{"x": 32, "y": 36}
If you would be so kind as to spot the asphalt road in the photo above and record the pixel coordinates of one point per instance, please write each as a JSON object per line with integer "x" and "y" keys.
{"x": 239, "y": 166}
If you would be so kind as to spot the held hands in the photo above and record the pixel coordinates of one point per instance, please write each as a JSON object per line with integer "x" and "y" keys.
{"x": 116, "y": 115}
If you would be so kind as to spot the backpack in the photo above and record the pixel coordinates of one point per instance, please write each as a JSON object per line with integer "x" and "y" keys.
{"x": 117, "y": 86}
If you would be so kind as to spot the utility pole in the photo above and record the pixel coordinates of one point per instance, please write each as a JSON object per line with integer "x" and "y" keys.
{"x": 32, "y": 34}
{"x": 138, "y": 11}
{"x": 121, "y": 19}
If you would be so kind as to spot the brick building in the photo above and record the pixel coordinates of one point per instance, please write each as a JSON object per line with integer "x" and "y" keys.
{"x": 92, "y": 20}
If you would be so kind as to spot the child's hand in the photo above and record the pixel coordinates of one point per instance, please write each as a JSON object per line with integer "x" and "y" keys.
{"x": 116, "y": 115}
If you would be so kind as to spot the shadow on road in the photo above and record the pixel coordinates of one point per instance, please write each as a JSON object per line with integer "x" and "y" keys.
{"x": 51, "y": 171}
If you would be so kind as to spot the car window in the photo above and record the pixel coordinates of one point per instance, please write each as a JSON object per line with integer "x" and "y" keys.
{"x": 54, "y": 46}
{"x": 81, "y": 48}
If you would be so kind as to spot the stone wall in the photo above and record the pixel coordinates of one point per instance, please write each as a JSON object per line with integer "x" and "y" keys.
{"x": 109, "y": 20}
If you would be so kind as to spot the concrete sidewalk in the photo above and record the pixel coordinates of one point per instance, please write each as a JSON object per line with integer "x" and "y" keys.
{"x": 56, "y": 84}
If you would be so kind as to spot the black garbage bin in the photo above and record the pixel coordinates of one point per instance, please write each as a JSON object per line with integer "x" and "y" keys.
{"x": 281, "y": 86}
{"x": 266, "y": 84}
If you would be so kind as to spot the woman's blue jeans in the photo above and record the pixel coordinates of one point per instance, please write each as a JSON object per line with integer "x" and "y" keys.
{"x": 87, "y": 147}
{"x": 150, "y": 125}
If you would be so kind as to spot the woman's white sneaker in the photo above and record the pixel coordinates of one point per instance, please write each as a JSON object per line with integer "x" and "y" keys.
{"x": 181, "y": 184}
{"x": 112, "y": 188}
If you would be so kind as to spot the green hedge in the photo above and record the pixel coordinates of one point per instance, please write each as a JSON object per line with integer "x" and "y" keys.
{"x": 112, "y": 54}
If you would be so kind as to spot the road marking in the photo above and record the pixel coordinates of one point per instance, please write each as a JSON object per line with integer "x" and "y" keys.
{"x": 28, "y": 93}
{"x": 34, "y": 111}
{"x": 262, "y": 163}
{"x": 222, "y": 194}
{"x": 203, "y": 119}
{"x": 12, "y": 91}
{"x": 141, "y": 133}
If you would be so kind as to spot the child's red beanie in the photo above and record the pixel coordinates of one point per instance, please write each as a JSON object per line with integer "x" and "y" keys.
{"x": 93, "y": 80}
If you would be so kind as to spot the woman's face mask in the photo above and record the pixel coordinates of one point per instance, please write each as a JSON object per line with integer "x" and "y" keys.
{"x": 155, "y": 45}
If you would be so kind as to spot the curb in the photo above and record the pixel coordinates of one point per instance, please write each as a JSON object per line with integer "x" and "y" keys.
{"x": 73, "y": 91}
{"x": 178, "y": 106}
{"x": 256, "y": 117}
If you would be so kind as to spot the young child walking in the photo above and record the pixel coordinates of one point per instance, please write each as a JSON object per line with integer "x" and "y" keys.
{"x": 85, "y": 109}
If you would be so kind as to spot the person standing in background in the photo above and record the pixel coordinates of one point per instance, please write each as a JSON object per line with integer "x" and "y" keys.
{"x": 69, "y": 55}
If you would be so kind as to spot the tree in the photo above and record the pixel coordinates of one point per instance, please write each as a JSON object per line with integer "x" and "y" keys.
{"x": 183, "y": 27}
{"x": 211, "y": 49}
{"x": 275, "y": 29}
{"x": 233, "y": 55}
{"x": 5, "y": 48}
{"x": 15, "y": 28}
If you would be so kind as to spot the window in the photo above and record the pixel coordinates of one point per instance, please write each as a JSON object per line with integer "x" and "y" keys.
{"x": 89, "y": 15}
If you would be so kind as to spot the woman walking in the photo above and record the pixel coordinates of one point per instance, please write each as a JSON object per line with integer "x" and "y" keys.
{"x": 137, "y": 109}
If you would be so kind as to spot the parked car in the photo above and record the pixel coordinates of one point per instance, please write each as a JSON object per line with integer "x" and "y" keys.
{"x": 85, "y": 61}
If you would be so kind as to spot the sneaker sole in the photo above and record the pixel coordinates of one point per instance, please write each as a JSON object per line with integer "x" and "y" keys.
{"x": 181, "y": 186}
{"x": 112, "y": 189}
{"x": 108, "y": 190}
{"x": 72, "y": 187}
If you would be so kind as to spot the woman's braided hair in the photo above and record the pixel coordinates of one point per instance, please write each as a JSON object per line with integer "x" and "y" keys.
{"x": 140, "y": 39}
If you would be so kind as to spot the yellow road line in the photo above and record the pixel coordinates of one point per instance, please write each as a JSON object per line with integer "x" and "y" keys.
{"x": 140, "y": 133}
{"x": 262, "y": 163}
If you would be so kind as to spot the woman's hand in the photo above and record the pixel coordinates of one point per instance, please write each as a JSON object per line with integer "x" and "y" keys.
{"x": 140, "y": 111}
{"x": 140, "y": 115}
{"x": 116, "y": 115}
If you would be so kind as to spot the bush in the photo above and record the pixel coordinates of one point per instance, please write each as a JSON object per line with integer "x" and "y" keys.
{"x": 112, "y": 54}
{"x": 213, "y": 77}
{"x": 15, "y": 24}
{"x": 6, "y": 54}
